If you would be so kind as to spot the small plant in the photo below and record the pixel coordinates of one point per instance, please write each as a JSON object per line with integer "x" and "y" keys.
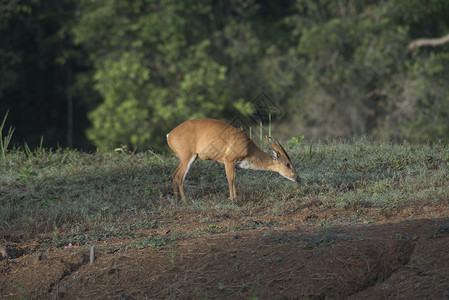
{"x": 400, "y": 236}
{"x": 245, "y": 286}
{"x": 5, "y": 140}
{"x": 172, "y": 254}
{"x": 26, "y": 173}
{"x": 152, "y": 191}
{"x": 323, "y": 222}
{"x": 155, "y": 241}
{"x": 438, "y": 232}
{"x": 210, "y": 229}
{"x": 156, "y": 155}
{"x": 20, "y": 290}
{"x": 295, "y": 140}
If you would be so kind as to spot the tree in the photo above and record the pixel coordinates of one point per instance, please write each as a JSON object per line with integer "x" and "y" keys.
{"x": 336, "y": 68}
{"x": 37, "y": 58}
{"x": 152, "y": 68}
{"x": 356, "y": 78}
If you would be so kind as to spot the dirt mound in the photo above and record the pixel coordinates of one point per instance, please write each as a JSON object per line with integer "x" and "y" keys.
{"x": 406, "y": 260}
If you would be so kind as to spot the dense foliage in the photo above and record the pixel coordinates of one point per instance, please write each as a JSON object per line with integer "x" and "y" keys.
{"x": 125, "y": 73}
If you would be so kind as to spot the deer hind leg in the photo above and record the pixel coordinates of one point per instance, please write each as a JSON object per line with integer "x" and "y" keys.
{"x": 176, "y": 183}
{"x": 230, "y": 175}
{"x": 180, "y": 174}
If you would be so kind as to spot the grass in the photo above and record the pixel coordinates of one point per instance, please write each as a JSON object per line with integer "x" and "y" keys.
{"x": 67, "y": 192}
{"x": 5, "y": 139}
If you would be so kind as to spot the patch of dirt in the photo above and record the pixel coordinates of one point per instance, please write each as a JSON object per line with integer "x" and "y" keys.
{"x": 404, "y": 258}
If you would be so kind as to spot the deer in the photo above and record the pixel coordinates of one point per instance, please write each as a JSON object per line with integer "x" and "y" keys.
{"x": 210, "y": 139}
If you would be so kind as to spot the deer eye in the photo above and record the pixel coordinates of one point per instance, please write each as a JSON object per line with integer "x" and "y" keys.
{"x": 287, "y": 165}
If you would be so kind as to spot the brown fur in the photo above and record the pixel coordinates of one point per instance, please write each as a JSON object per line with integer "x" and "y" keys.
{"x": 215, "y": 140}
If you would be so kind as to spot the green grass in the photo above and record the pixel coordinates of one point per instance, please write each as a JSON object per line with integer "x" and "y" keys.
{"x": 66, "y": 192}
{"x": 5, "y": 138}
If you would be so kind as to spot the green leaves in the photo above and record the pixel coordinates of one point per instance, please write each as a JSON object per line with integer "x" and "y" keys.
{"x": 337, "y": 69}
{"x": 294, "y": 141}
{"x": 5, "y": 140}
{"x": 153, "y": 71}
{"x": 357, "y": 78}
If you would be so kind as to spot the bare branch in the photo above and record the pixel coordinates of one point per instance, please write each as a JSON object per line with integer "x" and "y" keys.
{"x": 428, "y": 42}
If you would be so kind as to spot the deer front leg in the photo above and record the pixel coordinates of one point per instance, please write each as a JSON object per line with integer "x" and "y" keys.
{"x": 230, "y": 175}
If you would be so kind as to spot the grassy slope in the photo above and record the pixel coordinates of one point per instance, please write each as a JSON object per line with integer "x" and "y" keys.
{"x": 64, "y": 192}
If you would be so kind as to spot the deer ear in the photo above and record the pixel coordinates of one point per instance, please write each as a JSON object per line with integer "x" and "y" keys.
{"x": 274, "y": 154}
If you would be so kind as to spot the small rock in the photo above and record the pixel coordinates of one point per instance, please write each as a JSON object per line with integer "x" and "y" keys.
{"x": 41, "y": 256}
{"x": 3, "y": 253}
{"x": 278, "y": 259}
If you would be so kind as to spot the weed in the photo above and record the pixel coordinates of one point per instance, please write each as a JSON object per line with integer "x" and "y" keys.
{"x": 438, "y": 232}
{"x": 20, "y": 291}
{"x": 401, "y": 236}
{"x": 172, "y": 255}
{"x": 155, "y": 241}
{"x": 210, "y": 229}
{"x": 211, "y": 247}
{"x": 5, "y": 140}
{"x": 25, "y": 173}
{"x": 294, "y": 141}
{"x": 152, "y": 191}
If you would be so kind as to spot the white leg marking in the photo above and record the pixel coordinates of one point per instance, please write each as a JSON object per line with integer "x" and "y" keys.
{"x": 192, "y": 160}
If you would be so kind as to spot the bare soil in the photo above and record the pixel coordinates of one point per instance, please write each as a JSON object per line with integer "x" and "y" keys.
{"x": 405, "y": 256}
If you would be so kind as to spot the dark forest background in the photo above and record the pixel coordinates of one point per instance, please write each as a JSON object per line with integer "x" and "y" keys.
{"x": 100, "y": 74}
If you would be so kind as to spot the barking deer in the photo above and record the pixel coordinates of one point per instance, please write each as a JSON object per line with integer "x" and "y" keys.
{"x": 215, "y": 140}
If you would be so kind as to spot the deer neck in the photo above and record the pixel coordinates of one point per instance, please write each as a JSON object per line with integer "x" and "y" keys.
{"x": 256, "y": 160}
